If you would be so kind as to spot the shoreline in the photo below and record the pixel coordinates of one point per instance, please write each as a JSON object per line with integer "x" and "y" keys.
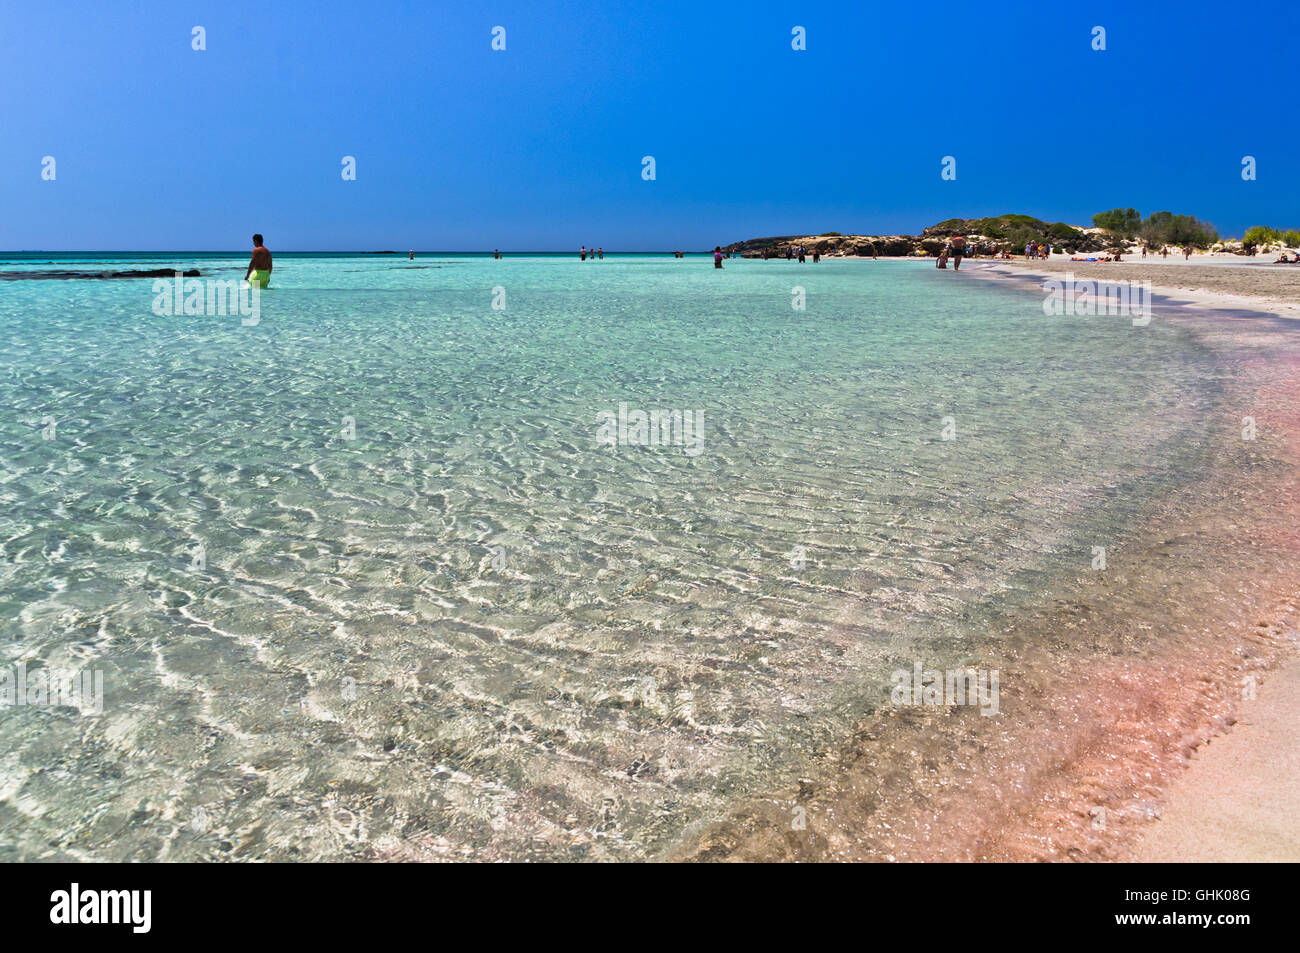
{"x": 1237, "y": 801}
{"x": 1213, "y": 812}
{"x": 1159, "y": 653}
{"x": 1262, "y": 287}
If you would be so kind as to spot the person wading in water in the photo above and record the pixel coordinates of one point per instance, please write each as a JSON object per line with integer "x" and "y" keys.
{"x": 259, "y": 266}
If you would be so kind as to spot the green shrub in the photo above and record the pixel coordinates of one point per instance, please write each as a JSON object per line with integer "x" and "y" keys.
{"x": 1122, "y": 221}
{"x": 1261, "y": 235}
{"x": 1166, "y": 228}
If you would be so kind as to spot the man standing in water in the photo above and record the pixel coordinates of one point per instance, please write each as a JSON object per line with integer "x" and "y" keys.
{"x": 958, "y": 243}
{"x": 259, "y": 266}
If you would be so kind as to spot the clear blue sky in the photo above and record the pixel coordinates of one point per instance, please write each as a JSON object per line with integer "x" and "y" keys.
{"x": 539, "y": 147}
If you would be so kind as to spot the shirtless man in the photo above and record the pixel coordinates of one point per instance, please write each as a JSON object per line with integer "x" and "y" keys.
{"x": 958, "y": 243}
{"x": 259, "y": 266}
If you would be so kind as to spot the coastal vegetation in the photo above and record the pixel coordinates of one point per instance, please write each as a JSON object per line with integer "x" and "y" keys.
{"x": 1125, "y": 225}
{"x": 1266, "y": 236}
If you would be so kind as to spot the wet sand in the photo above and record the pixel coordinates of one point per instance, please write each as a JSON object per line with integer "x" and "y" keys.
{"x": 1239, "y": 800}
{"x": 1093, "y": 751}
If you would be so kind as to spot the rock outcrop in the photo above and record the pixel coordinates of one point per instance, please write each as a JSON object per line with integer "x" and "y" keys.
{"x": 984, "y": 236}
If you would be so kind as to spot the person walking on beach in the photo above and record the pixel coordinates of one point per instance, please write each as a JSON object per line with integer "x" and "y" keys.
{"x": 583, "y": 253}
{"x": 496, "y": 253}
{"x": 601, "y": 252}
{"x": 259, "y": 266}
{"x": 412, "y": 254}
{"x": 717, "y": 256}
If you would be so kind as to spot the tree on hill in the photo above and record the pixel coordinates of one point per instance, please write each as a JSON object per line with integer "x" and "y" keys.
{"x": 1123, "y": 222}
{"x": 1166, "y": 228}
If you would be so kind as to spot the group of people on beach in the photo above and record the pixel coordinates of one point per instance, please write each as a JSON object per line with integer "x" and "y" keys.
{"x": 593, "y": 253}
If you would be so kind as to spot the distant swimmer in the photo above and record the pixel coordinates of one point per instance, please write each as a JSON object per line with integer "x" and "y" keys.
{"x": 259, "y": 266}
{"x": 601, "y": 252}
{"x": 412, "y": 254}
{"x": 717, "y": 256}
{"x": 583, "y": 253}
{"x": 496, "y": 253}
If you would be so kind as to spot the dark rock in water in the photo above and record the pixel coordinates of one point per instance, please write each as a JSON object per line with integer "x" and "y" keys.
{"x": 97, "y": 275}
{"x": 155, "y": 273}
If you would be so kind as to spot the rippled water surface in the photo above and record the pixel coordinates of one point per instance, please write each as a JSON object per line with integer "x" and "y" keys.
{"x": 362, "y": 580}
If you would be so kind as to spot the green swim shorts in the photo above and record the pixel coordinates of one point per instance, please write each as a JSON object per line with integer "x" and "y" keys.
{"x": 259, "y": 279}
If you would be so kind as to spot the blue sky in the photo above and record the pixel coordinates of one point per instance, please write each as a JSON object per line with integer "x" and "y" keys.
{"x": 158, "y": 146}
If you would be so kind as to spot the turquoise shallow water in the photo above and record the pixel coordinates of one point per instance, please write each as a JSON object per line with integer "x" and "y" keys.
{"x": 431, "y": 607}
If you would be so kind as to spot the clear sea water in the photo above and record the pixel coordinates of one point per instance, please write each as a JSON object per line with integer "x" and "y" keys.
{"x": 469, "y": 625}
